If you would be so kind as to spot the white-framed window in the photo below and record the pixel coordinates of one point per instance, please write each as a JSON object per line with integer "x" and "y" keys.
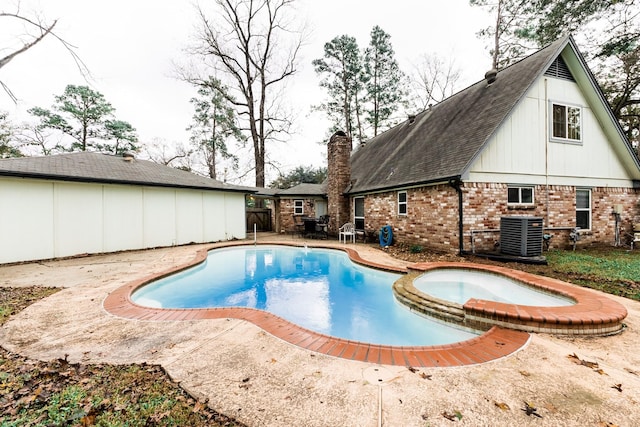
{"x": 298, "y": 207}
{"x": 520, "y": 195}
{"x": 583, "y": 208}
{"x": 402, "y": 202}
{"x": 566, "y": 122}
{"x": 358, "y": 213}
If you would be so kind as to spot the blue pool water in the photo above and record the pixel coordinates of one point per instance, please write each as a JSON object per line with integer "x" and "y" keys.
{"x": 459, "y": 285}
{"x": 318, "y": 289}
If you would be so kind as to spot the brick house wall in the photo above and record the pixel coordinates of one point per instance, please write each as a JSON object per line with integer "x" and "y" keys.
{"x": 432, "y": 214}
{"x": 287, "y": 212}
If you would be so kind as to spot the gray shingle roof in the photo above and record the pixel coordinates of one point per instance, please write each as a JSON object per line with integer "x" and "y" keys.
{"x": 305, "y": 189}
{"x": 443, "y": 140}
{"x": 104, "y": 168}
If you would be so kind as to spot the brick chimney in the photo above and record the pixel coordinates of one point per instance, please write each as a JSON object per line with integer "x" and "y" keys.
{"x": 338, "y": 179}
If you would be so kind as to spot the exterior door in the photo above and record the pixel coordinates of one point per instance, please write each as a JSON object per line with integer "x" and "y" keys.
{"x": 358, "y": 212}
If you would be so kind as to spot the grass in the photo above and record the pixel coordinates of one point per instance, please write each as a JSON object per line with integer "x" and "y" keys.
{"x": 611, "y": 270}
{"x": 59, "y": 393}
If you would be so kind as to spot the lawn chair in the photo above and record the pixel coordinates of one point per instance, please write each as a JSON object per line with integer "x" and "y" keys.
{"x": 635, "y": 235}
{"x": 298, "y": 225}
{"x": 347, "y": 230}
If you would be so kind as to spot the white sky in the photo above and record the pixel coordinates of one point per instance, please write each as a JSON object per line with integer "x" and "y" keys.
{"x": 130, "y": 47}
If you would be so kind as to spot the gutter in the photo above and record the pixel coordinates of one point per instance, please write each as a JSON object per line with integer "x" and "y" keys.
{"x": 67, "y": 178}
{"x": 456, "y": 183}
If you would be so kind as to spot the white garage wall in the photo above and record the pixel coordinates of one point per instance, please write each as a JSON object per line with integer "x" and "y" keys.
{"x": 213, "y": 206}
{"x": 190, "y": 227}
{"x": 44, "y": 219}
{"x": 78, "y": 219}
{"x": 26, "y": 220}
{"x": 123, "y": 218}
{"x": 159, "y": 217}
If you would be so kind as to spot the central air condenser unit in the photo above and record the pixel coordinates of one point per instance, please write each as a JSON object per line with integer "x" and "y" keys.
{"x": 521, "y": 235}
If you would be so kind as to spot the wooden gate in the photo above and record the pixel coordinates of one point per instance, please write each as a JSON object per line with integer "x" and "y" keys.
{"x": 260, "y": 217}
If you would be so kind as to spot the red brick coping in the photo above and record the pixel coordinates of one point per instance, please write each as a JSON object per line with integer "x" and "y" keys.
{"x": 494, "y": 344}
{"x": 592, "y": 314}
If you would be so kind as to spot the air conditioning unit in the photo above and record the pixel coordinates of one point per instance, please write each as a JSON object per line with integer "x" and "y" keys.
{"x": 521, "y": 235}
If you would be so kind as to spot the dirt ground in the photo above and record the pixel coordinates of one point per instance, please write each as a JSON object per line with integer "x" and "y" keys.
{"x": 261, "y": 381}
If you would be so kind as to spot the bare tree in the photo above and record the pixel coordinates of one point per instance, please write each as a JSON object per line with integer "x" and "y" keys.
{"x": 173, "y": 154}
{"x": 432, "y": 80}
{"x": 253, "y": 46}
{"x": 510, "y": 24}
{"x": 36, "y": 30}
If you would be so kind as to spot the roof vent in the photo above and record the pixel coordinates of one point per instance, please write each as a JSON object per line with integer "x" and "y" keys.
{"x": 491, "y": 76}
{"x": 412, "y": 118}
{"x": 128, "y": 156}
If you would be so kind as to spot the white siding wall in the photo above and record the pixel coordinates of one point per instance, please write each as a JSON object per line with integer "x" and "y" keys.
{"x": 521, "y": 150}
{"x": 44, "y": 219}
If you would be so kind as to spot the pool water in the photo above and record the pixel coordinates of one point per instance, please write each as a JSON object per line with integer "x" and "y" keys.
{"x": 460, "y": 284}
{"x": 318, "y": 289}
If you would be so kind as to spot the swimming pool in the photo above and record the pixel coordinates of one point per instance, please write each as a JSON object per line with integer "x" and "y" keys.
{"x": 460, "y": 285}
{"x": 318, "y": 289}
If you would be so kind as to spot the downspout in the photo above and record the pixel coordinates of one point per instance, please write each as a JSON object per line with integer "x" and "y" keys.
{"x": 546, "y": 152}
{"x": 456, "y": 183}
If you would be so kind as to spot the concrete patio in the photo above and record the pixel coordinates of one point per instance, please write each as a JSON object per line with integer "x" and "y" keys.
{"x": 248, "y": 374}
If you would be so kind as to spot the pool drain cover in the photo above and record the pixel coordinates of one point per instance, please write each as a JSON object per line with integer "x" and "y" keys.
{"x": 377, "y": 375}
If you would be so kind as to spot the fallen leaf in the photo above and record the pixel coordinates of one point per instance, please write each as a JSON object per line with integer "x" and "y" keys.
{"x": 425, "y": 376}
{"x": 576, "y": 359}
{"x": 450, "y": 417}
{"x": 412, "y": 369}
{"x": 531, "y": 410}
{"x": 617, "y": 387}
{"x": 502, "y": 406}
{"x": 525, "y": 374}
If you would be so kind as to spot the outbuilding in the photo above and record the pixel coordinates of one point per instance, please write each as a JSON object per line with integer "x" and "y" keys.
{"x": 87, "y": 202}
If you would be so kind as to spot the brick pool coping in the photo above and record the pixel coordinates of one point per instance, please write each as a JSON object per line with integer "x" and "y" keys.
{"x": 496, "y": 343}
{"x": 592, "y": 313}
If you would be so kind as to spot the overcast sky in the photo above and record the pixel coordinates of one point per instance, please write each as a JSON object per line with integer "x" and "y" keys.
{"x": 130, "y": 47}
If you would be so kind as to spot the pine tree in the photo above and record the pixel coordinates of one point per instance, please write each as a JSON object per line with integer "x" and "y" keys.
{"x": 214, "y": 122}
{"x": 341, "y": 71}
{"x": 383, "y": 80}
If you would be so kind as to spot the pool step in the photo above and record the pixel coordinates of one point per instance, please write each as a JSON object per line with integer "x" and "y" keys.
{"x": 408, "y": 295}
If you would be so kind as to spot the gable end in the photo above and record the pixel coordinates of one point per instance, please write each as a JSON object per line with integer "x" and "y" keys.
{"x": 559, "y": 69}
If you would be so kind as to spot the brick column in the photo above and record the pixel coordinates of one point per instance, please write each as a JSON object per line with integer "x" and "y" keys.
{"x": 338, "y": 179}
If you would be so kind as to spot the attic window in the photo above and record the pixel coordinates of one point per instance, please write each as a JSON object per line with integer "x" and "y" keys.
{"x": 559, "y": 69}
{"x": 566, "y": 123}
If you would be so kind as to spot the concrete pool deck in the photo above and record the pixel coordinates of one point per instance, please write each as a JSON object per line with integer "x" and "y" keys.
{"x": 259, "y": 379}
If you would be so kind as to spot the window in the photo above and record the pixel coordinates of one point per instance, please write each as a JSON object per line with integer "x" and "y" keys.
{"x": 566, "y": 123}
{"x": 402, "y": 202}
{"x": 520, "y": 196}
{"x": 358, "y": 213}
{"x": 298, "y": 207}
{"x": 583, "y": 209}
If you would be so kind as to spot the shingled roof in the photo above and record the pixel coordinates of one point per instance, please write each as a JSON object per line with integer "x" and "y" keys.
{"x": 442, "y": 141}
{"x": 109, "y": 169}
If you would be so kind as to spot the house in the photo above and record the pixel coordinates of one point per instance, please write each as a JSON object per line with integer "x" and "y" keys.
{"x": 302, "y": 200}
{"x": 536, "y": 139}
{"x": 70, "y": 204}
